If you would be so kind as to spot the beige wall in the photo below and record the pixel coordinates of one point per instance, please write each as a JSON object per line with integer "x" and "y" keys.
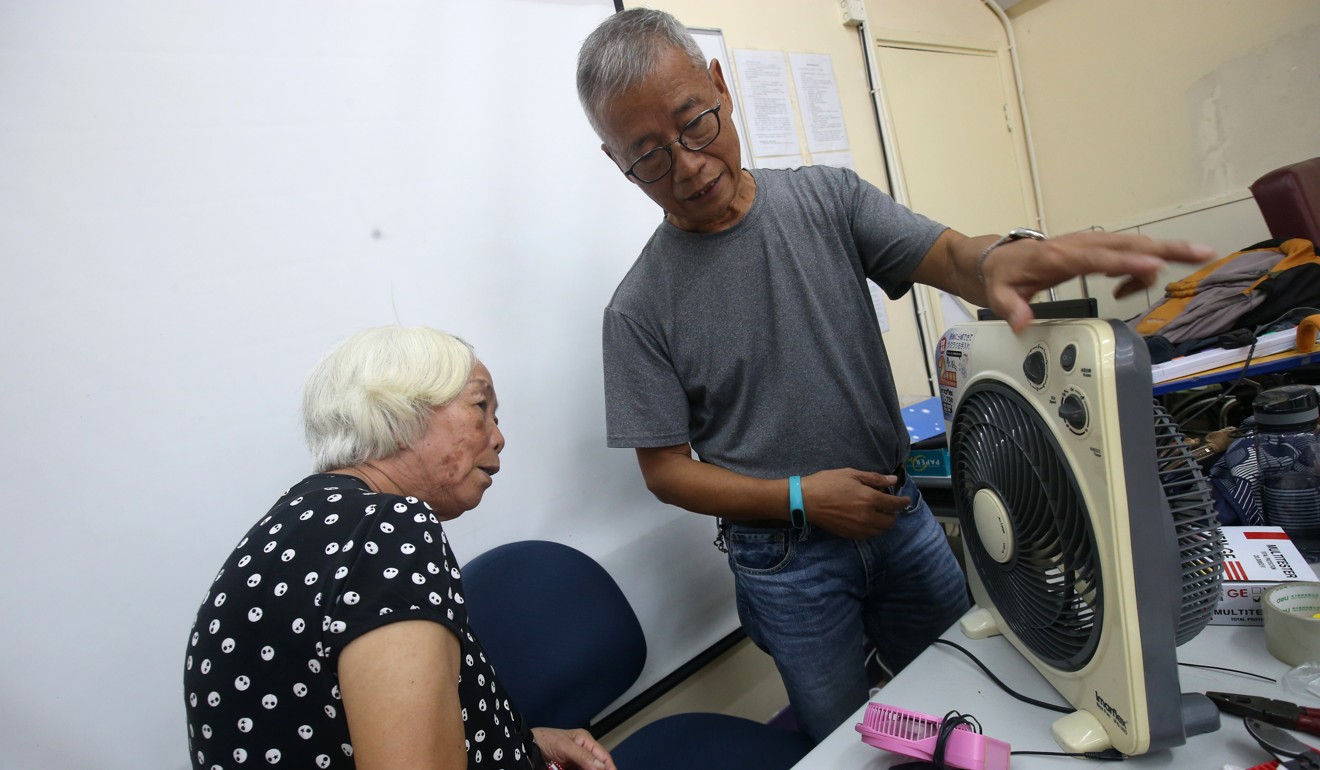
{"x": 1150, "y": 117}
{"x": 967, "y": 19}
{"x": 1141, "y": 108}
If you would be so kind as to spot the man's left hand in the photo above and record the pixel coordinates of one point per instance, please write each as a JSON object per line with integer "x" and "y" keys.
{"x": 1016, "y": 271}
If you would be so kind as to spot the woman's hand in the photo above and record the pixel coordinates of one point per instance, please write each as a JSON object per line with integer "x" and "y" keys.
{"x": 574, "y": 749}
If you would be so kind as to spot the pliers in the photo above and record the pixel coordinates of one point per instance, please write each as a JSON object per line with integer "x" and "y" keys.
{"x": 1279, "y": 743}
{"x": 1268, "y": 710}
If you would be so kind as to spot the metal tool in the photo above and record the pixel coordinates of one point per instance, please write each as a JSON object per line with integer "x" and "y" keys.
{"x": 1280, "y": 743}
{"x": 1276, "y": 712}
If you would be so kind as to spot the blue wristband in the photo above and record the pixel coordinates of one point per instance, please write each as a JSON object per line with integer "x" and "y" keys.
{"x": 796, "y": 513}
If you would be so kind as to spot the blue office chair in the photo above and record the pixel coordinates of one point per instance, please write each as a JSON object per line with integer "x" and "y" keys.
{"x": 565, "y": 642}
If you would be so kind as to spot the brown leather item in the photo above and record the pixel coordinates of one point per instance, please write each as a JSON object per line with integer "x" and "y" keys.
{"x": 1289, "y": 200}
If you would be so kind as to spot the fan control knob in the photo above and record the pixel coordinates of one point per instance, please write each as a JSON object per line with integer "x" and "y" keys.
{"x": 1073, "y": 411}
{"x": 1034, "y": 367}
{"x": 1068, "y": 358}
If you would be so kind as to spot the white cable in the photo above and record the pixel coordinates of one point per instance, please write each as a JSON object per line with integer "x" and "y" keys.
{"x": 1022, "y": 105}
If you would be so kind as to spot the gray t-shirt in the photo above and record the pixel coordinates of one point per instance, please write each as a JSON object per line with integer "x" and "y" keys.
{"x": 759, "y": 344}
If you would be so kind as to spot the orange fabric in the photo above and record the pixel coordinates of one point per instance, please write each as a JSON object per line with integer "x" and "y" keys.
{"x": 1299, "y": 251}
{"x": 1179, "y": 294}
{"x": 1306, "y": 331}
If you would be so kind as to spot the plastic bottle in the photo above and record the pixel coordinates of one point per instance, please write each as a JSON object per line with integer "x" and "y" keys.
{"x": 1288, "y": 459}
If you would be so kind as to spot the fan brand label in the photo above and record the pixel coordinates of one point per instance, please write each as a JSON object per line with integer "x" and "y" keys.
{"x": 1111, "y": 712}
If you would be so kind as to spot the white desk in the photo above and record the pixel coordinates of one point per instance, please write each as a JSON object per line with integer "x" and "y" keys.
{"x": 943, "y": 679}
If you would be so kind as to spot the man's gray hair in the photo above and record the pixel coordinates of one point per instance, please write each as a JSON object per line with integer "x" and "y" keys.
{"x": 623, "y": 51}
{"x": 374, "y": 393}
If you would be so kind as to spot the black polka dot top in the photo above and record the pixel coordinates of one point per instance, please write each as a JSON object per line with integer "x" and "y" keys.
{"x": 331, "y": 561}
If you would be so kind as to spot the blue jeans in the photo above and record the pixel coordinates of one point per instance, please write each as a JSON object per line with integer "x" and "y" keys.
{"x": 809, "y": 597}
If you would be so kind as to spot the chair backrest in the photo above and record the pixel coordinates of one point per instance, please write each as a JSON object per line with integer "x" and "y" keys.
{"x": 560, "y": 634}
{"x": 1289, "y": 200}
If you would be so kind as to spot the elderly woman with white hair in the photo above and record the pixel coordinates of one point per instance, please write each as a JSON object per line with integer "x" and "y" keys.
{"x": 335, "y": 635}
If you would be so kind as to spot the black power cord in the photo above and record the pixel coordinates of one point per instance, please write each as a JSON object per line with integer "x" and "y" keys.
{"x": 1298, "y": 313}
{"x": 1229, "y": 670}
{"x": 1108, "y": 755}
{"x": 953, "y": 719}
{"x": 1004, "y": 687}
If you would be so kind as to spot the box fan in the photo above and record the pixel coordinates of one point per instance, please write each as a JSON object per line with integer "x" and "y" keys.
{"x": 1090, "y": 537}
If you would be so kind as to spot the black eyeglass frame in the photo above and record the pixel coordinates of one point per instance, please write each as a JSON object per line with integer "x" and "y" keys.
{"x": 666, "y": 148}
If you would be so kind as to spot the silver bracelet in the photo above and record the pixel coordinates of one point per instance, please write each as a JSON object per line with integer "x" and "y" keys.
{"x": 1016, "y": 234}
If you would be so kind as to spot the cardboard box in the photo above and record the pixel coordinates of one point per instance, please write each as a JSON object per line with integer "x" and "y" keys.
{"x": 927, "y": 462}
{"x": 929, "y": 455}
{"x": 1255, "y": 558}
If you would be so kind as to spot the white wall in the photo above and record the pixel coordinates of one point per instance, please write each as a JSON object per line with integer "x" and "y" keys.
{"x": 200, "y": 197}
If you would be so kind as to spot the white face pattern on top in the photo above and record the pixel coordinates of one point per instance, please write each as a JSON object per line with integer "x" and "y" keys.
{"x": 259, "y": 678}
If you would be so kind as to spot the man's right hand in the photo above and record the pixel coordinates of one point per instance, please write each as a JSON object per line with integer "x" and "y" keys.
{"x": 851, "y": 503}
{"x": 848, "y": 502}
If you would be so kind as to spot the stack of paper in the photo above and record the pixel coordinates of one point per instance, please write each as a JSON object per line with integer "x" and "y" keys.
{"x": 1266, "y": 344}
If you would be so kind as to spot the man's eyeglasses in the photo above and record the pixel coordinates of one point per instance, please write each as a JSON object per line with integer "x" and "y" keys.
{"x": 696, "y": 135}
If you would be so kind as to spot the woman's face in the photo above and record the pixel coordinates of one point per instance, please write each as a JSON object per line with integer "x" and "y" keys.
{"x": 460, "y": 451}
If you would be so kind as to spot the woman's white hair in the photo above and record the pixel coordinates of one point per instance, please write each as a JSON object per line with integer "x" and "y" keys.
{"x": 373, "y": 395}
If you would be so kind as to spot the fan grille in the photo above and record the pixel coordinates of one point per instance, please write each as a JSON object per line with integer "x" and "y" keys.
{"x": 1049, "y": 590}
{"x": 1200, "y": 548}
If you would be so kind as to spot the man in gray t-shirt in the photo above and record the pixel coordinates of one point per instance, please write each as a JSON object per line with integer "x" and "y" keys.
{"x": 745, "y": 333}
{"x": 708, "y": 330}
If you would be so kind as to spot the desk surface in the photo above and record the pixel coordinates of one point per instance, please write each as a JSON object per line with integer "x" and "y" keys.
{"x": 943, "y": 679}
